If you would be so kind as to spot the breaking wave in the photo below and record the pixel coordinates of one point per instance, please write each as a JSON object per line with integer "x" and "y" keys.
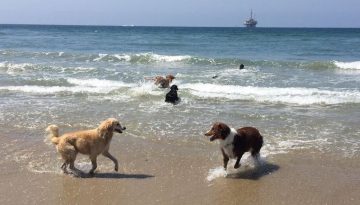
{"x": 95, "y": 86}
{"x": 151, "y": 58}
{"x": 142, "y": 58}
{"x": 16, "y": 68}
{"x": 292, "y": 95}
{"x": 348, "y": 65}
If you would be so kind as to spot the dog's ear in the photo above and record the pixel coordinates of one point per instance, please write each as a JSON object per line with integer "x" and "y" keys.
{"x": 105, "y": 127}
{"x": 171, "y": 77}
{"x": 224, "y": 130}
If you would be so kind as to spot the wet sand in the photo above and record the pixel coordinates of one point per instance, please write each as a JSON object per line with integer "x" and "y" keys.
{"x": 156, "y": 172}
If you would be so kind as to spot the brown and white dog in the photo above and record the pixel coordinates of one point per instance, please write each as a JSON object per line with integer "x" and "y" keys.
{"x": 234, "y": 143}
{"x": 89, "y": 142}
{"x": 163, "y": 82}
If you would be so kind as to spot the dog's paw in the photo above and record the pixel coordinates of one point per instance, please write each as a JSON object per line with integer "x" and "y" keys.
{"x": 237, "y": 166}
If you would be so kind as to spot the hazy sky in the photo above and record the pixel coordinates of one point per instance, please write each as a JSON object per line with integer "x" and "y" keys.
{"x": 269, "y": 13}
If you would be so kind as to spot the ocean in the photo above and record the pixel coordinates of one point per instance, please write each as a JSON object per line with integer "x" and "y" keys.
{"x": 300, "y": 86}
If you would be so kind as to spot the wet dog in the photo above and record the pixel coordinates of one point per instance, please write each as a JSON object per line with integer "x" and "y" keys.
{"x": 161, "y": 81}
{"x": 172, "y": 96}
{"x": 234, "y": 143}
{"x": 164, "y": 82}
{"x": 89, "y": 142}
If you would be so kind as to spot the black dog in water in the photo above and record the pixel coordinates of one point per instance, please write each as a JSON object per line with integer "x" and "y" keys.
{"x": 172, "y": 96}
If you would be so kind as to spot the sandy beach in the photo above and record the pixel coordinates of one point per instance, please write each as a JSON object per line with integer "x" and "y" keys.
{"x": 153, "y": 172}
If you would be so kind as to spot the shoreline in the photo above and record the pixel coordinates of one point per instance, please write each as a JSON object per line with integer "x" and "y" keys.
{"x": 157, "y": 172}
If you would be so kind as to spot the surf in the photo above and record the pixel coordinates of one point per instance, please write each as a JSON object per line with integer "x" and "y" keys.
{"x": 286, "y": 95}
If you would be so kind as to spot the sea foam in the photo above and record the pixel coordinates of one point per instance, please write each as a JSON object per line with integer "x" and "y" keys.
{"x": 291, "y": 95}
{"x": 98, "y": 83}
{"x": 145, "y": 88}
{"x": 348, "y": 65}
{"x": 247, "y": 161}
{"x": 141, "y": 57}
{"x": 19, "y": 68}
{"x": 80, "y": 86}
{"x": 13, "y": 68}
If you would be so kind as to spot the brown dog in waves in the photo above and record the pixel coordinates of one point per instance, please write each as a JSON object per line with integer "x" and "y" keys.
{"x": 234, "y": 143}
{"x": 89, "y": 142}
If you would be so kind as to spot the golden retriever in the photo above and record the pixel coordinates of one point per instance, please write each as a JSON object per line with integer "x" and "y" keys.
{"x": 89, "y": 142}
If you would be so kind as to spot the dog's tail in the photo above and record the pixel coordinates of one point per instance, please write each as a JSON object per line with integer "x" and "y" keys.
{"x": 53, "y": 133}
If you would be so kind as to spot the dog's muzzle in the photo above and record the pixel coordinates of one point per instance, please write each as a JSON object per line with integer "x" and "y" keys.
{"x": 212, "y": 134}
{"x": 119, "y": 130}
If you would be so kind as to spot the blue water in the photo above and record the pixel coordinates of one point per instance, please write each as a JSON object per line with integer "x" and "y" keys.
{"x": 240, "y": 43}
{"x": 300, "y": 86}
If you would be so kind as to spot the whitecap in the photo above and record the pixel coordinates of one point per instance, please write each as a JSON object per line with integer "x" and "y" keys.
{"x": 101, "y": 56}
{"x": 80, "y": 86}
{"x": 348, "y": 65}
{"x": 12, "y": 68}
{"x": 165, "y": 58}
{"x": 291, "y": 95}
{"x": 93, "y": 82}
{"x": 122, "y": 57}
{"x": 145, "y": 88}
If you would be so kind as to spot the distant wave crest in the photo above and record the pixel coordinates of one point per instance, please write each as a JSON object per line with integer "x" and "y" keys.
{"x": 153, "y": 58}
{"x": 141, "y": 58}
{"x": 16, "y": 68}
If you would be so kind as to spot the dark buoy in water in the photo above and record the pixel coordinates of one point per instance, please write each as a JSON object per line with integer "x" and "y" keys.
{"x": 241, "y": 66}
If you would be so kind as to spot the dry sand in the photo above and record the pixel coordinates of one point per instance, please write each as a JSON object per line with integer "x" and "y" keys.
{"x": 166, "y": 173}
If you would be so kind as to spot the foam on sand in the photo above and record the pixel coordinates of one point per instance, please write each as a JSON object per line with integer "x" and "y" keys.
{"x": 216, "y": 172}
{"x": 247, "y": 161}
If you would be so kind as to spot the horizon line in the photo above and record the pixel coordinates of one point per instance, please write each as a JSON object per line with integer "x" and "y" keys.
{"x": 131, "y": 25}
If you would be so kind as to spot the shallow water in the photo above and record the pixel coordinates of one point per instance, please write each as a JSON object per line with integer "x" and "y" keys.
{"x": 300, "y": 87}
